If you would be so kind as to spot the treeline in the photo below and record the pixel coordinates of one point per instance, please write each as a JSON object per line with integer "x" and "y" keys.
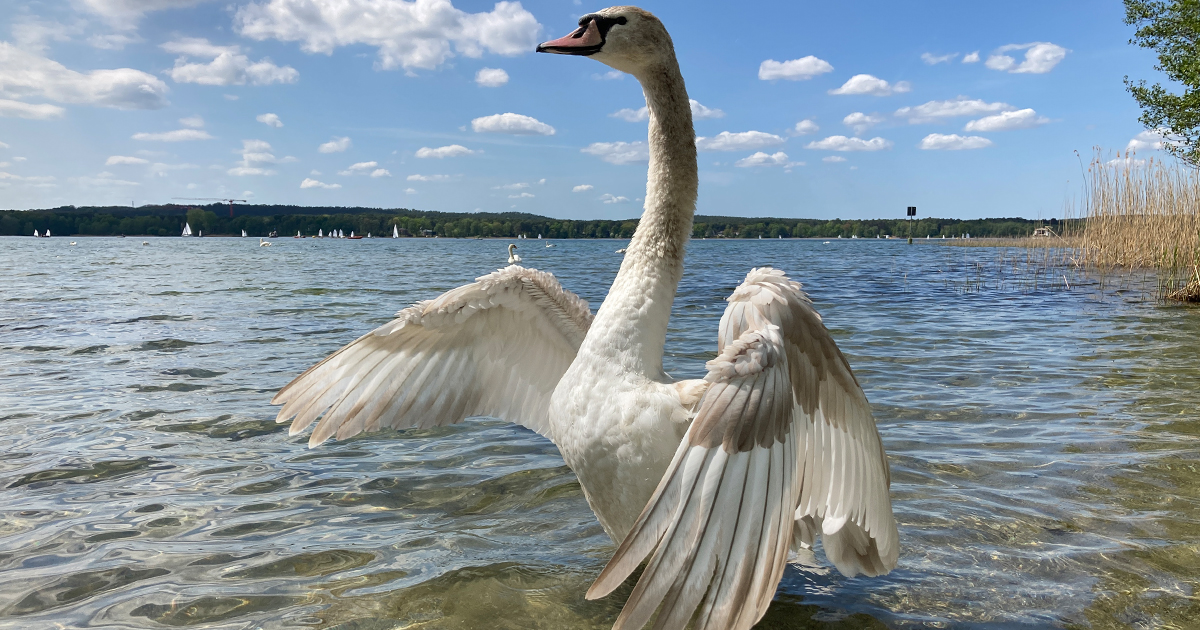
{"x": 257, "y": 221}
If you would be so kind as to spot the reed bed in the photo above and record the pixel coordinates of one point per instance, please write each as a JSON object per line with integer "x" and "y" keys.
{"x": 1141, "y": 215}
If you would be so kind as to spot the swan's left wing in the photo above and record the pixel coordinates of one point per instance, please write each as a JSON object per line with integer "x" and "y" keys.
{"x": 783, "y": 445}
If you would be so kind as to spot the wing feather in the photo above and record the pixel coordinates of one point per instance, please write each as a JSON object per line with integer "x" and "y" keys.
{"x": 495, "y": 347}
{"x": 783, "y": 446}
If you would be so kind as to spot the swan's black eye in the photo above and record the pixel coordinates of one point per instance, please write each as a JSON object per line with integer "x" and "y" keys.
{"x": 606, "y": 23}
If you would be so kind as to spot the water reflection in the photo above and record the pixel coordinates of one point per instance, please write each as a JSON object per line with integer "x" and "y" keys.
{"x": 1043, "y": 445}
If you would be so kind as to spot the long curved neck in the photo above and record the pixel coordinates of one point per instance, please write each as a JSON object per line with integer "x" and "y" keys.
{"x": 631, "y": 326}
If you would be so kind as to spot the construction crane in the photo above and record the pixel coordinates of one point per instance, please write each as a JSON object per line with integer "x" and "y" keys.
{"x": 228, "y": 201}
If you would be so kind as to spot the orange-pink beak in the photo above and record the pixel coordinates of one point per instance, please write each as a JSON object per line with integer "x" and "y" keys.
{"x": 586, "y": 40}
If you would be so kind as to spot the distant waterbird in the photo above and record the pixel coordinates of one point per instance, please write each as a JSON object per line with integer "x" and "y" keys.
{"x": 513, "y": 258}
{"x": 714, "y": 479}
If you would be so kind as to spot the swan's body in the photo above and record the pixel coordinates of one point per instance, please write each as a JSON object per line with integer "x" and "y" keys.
{"x": 715, "y": 478}
{"x": 513, "y": 258}
{"x": 263, "y": 243}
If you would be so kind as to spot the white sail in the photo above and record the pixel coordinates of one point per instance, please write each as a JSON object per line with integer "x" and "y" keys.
{"x": 351, "y": 233}
{"x": 395, "y": 231}
{"x": 298, "y": 234}
{"x": 320, "y": 233}
{"x": 342, "y": 234}
{"x": 35, "y": 233}
{"x": 187, "y": 229}
{"x": 201, "y": 233}
{"x": 47, "y": 232}
{"x": 243, "y": 232}
{"x": 368, "y": 235}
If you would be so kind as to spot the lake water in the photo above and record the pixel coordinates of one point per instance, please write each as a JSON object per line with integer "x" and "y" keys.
{"x": 1043, "y": 444}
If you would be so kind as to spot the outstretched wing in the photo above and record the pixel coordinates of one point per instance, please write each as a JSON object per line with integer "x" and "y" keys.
{"x": 783, "y": 445}
{"x": 495, "y": 347}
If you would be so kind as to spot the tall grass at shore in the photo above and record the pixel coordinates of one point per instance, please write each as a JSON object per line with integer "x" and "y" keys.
{"x": 1141, "y": 214}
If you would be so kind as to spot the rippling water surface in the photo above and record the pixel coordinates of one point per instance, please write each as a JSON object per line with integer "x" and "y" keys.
{"x": 1043, "y": 445}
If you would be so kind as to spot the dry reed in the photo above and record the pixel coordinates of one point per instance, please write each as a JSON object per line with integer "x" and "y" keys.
{"x": 1141, "y": 214}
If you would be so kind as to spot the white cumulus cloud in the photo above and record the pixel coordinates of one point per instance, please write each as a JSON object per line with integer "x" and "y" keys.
{"x": 427, "y": 178}
{"x": 738, "y": 141}
{"x": 871, "y": 85}
{"x": 800, "y": 69}
{"x": 933, "y": 60}
{"x": 381, "y": 172}
{"x": 255, "y": 153}
{"x": 418, "y": 34}
{"x": 270, "y": 120}
{"x": 582, "y": 188}
{"x": 1007, "y": 121}
{"x": 611, "y": 198}
{"x": 178, "y": 135}
{"x": 524, "y": 195}
{"x": 25, "y": 75}
{"x": 124, "y": 14}
{"x": 805, "y": 127}
{"x": 766, "y": 159}
{"x": 227, "y": 65}
{"x": 842, "y": 143}
{"x": 491, "y": 77}
{"x": 312, "y": 183}
{"x": 861, "y": 122}
{"x": 619, "y": 152}
{"x": 971, "y": 57}
{"x": 1150, "y": 139}
{"x": 510, "y": 123}
{"x": 33, "y": 111}
{"x": 336, "y": 145}
{"x": 359, "y": 167}
{"x": 699, "y": 112}
{"x": 952, "y": 142}
{"x": 453, "y": 150}
{"x": 1040, "y": 58}
{"x": 833, "y": 158}
{"x": 961, "y": 106}
{"x": 195, "y": 122}
{"x": 124, "y": 159}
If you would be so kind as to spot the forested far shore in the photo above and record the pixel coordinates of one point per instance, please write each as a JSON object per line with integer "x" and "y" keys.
{"x": 261, "y": 220}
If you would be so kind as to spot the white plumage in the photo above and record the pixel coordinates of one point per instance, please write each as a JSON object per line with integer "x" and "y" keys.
{"x": 513, "y": 258}
{"x": 713, "y": 479}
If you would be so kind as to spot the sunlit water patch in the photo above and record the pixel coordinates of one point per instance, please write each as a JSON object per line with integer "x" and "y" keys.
{"x": 1043, "y": 444}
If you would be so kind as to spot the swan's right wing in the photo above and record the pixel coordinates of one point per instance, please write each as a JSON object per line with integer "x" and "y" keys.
{"x": 496, "y": 347}
{"x": 782, "y": 446}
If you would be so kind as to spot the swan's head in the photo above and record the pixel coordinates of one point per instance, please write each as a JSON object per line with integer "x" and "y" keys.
{"x": 511, "y": 247}
{"x": 628, "y": 39}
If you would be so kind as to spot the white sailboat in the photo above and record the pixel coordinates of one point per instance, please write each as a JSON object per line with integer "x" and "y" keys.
{"x": 187, "y": 229}
{"x": 341, "y": 234}
{"x": 395, "y": 231}
{"x": 243, "y": 233}
{"x": 36, "y": 235}
{"x": 298, "y": 234}
{"x": 321, "y": 233}
{"x": 351, "y": 233}
{"x": 368, "y": 235}
{"x": 47, "y": 235}
{"x": 200, "y": 233}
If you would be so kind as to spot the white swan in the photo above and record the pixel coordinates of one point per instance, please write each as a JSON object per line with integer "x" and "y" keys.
{"x": 513, "y": 258}
{"x": 714, "y": 478}
{"x": 263, "y": 243}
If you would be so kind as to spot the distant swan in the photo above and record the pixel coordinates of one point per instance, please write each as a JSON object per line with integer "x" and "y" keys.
{"x": 145, "y": 242}
{"x": 621, "y": 251}
{"x": 513, "y": 258}
{"x": 715, "y": 478}
{"x": 262, "y": 243}
{"x": 549, "y": 244}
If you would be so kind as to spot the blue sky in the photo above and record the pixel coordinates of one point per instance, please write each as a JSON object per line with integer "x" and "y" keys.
{"x": 442, "y": 105}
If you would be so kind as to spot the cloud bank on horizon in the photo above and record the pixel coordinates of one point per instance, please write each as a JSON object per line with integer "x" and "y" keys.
{"x": 105, "y": 100}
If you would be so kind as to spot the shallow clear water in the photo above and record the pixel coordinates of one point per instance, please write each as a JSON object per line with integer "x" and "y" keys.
{"x": 1043, "y": 444}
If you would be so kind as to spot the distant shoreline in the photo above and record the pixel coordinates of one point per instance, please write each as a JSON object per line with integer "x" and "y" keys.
{"x": 261, "y": 220}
